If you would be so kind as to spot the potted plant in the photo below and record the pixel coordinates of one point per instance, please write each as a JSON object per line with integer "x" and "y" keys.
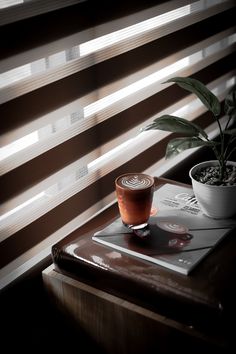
{"x": 214, "y": 182}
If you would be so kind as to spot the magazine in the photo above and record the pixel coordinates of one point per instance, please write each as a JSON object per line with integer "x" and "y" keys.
{"x": 178, "y": 235}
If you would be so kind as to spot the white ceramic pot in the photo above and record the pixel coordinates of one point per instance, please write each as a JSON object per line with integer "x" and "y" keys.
{"x": 217, "y": 202}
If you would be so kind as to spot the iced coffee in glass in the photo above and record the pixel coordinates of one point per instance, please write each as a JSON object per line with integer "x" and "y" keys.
{"x": 135, "y": 194}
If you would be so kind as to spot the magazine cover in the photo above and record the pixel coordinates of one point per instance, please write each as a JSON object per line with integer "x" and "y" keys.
{"x": 178, "y": 236}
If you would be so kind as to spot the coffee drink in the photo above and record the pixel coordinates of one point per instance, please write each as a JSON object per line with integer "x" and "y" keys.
{"x": 134, "y": 194}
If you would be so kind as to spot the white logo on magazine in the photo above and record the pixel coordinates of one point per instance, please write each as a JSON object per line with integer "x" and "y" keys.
{"x": 188, "y": 199}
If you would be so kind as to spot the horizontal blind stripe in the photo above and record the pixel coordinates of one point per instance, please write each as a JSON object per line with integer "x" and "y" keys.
{"x": 112, "y": 109}
{"x": 31, "y": 8}
{"x": 94, "y": 142}
{"x": 37, "y": 81}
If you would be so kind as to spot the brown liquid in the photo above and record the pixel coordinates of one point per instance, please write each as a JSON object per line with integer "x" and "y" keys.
{"x": 134, "y": 193}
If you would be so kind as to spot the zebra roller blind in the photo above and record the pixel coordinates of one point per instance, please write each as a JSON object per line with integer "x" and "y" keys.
{"x": 77, "y": 83}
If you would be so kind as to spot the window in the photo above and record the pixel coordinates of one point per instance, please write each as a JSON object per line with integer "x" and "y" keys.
{"x": 74, "y": 96}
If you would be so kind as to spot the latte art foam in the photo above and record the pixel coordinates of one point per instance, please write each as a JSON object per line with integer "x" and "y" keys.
{"x": 135, "y": 182}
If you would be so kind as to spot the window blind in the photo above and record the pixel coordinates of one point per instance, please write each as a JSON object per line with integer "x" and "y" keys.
{"x": 77, "y": 84}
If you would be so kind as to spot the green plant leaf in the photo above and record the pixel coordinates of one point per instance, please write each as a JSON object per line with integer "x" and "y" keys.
{"x": 203, "y": 93}
{"x": 176, "y": 125}
{"x": 175, "y": 146}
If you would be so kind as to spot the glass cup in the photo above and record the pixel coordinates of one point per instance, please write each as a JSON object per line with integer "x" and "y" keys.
{"x": 135, "y": 194}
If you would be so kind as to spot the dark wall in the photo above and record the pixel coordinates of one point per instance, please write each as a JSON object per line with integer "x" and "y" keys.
{"x": 31, "y": 322}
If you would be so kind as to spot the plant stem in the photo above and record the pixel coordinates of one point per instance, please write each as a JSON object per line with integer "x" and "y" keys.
{"x": 227, "y": 124}
{"x": 221, "y": 158}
